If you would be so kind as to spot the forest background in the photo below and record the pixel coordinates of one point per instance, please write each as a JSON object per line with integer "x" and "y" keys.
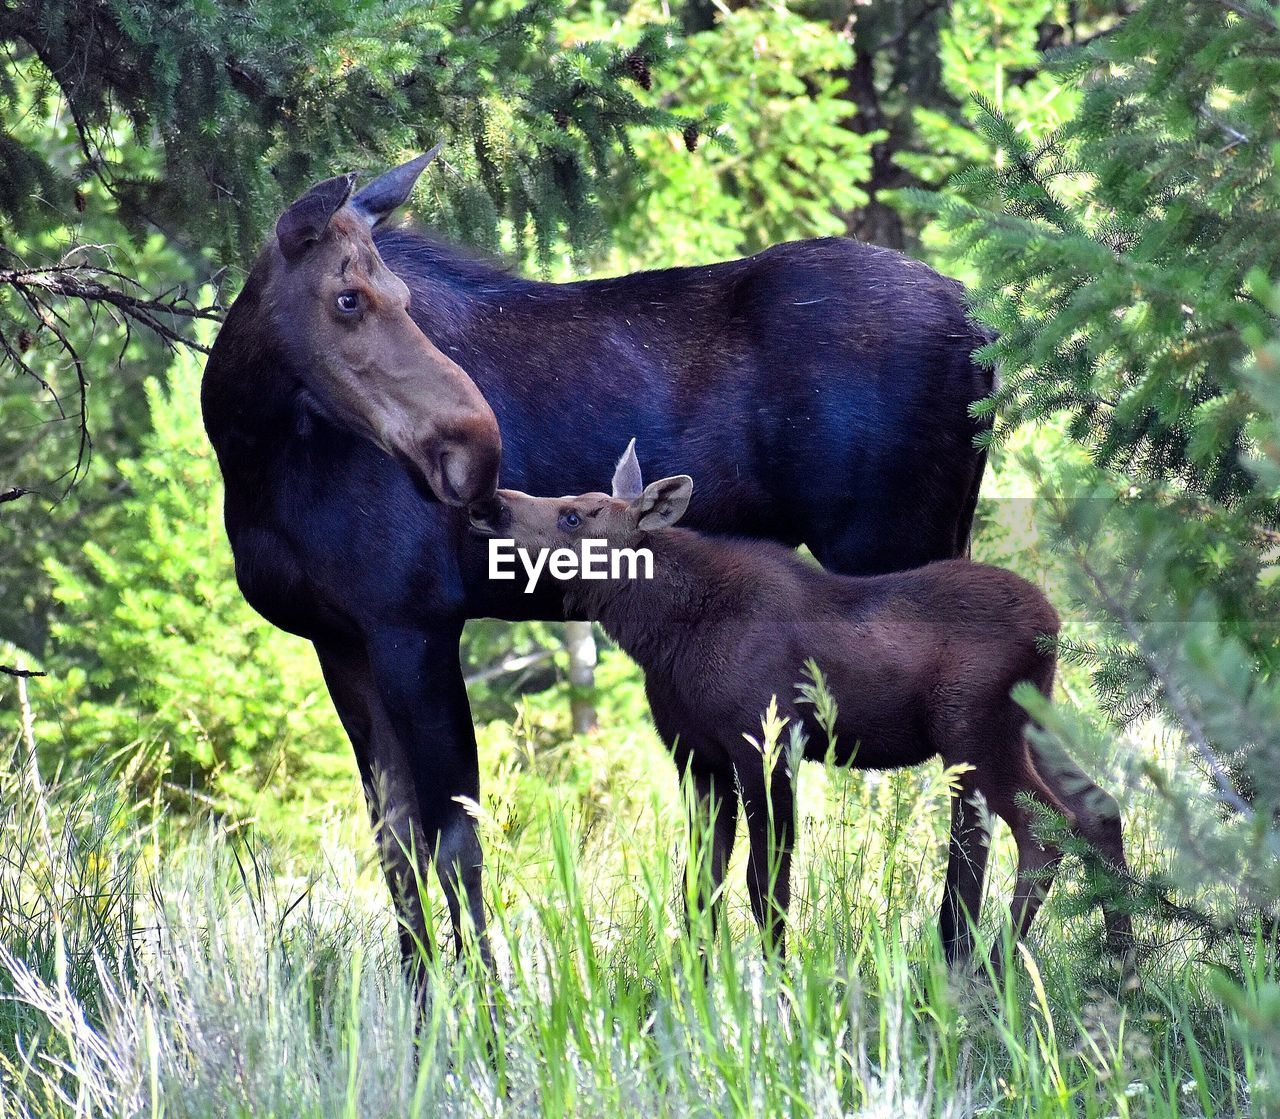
{"x": 1102, "y": 176}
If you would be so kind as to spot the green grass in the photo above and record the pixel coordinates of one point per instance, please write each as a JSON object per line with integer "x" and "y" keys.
{"x": 153, "y": 965}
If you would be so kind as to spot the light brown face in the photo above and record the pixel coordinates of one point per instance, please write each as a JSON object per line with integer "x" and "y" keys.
{"x": 565, "y": 522}
{"x": 557, "y": 522}
{"x": 345, "y": 318}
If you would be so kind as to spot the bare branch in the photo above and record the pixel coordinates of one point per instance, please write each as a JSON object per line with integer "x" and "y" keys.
{"x": 44, "y": 292}
{"x": 92, "y": 283}
{"x": 21, "y": 673}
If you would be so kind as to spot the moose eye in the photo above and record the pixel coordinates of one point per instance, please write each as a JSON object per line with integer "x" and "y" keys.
{"x": 348, "y": 302}
{"x": 570, "y": 520}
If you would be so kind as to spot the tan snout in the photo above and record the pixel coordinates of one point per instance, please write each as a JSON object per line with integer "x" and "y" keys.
{"x": 433, "y": 419}
{"x": 460, "y": 463}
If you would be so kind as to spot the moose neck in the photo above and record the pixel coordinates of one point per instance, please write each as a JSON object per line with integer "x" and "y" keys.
{"x": 449, "y": 288}
{"x": 247, "y": 390}
{"x": 689, "y": 586}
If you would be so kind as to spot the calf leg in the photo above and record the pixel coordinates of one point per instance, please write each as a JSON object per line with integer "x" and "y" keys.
{"x": 1004, "y": 789}
{"x": 770, "y": 808}
{"x": 1097, "y": 817}
{"x": 966, "y": 871}
{"x": 713, "y": 811}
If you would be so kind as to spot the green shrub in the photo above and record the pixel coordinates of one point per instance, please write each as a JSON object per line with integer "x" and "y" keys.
{"x": 154, "y": 645}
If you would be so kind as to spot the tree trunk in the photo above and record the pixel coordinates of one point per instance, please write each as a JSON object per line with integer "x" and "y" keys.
{"x": 580, "y": 641}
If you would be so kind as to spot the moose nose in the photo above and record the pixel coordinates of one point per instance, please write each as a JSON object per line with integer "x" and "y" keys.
{"x": 488, "y": 516}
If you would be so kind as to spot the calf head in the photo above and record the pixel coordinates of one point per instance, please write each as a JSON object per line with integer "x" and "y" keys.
{"x": 622, "y": 518}
{"x": 342, "y": 317}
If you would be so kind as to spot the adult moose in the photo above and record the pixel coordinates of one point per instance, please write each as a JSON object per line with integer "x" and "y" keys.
{"x": 819, "y": 391}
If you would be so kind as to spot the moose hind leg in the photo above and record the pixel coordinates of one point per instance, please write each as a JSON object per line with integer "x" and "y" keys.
{"x": 966, "y": 872}
{"x": 1097, "y": 817}
{"x": 1037, "y": 862}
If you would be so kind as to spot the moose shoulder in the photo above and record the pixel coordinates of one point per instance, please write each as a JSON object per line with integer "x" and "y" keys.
{"x": 368, "y": 382}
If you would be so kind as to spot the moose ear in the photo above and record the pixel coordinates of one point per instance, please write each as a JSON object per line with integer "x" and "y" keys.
{"x": 388, "y": 192}
{"x": 663, "y": 502}
{"x": 627, "y": 482}
{"x": 304, "y": 223}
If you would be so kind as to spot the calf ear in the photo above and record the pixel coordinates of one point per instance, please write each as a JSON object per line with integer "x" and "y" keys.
{"x": 663, "y": 502}
{"x": 627, "y": 483}
{"x": 389, "y": 191}
{"x": 304, "y": 223}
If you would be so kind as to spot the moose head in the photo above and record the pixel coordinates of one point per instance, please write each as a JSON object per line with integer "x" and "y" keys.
{"x": 343, "y": 319}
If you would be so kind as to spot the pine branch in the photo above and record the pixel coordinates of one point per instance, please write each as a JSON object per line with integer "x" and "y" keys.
{"x": 1177, "y": 700}
{"x": 1250, "y": 14}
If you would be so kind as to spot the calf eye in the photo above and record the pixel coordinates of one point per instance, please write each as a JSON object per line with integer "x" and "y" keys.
{"x": 569, "y": 521}
{"x": 348, "y": 302}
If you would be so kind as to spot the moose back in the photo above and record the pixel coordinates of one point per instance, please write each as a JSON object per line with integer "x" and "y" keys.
{"x": 368, "y": 382}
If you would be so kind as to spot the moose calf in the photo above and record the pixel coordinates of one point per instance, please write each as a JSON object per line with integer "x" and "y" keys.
{"x": 920, "y": 664}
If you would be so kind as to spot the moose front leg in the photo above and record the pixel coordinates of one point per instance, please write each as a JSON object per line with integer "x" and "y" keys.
{"x": 419, "y": 677}
{"x": 770, "y": 807}
{"x": 712, "y": 810}
{"x": 388, "y": 787}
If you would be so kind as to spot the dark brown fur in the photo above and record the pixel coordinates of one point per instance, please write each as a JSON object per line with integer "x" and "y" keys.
{"x": 920, "y": 663}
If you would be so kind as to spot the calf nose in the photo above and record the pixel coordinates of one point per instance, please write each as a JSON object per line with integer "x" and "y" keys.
{"x": 488, "y": 516}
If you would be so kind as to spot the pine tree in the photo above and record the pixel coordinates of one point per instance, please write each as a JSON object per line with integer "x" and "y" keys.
{"x": 200, "y": 120}
{"x": 1127, "y": 261}
{"x": 246, "y": 105}
{"x": 145, "y": 147}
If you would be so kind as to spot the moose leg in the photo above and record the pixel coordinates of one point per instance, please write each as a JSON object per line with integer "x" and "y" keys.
{"x": 1097, "y": 816}
{"x": 1036, "y": 865}
{"x": 388, "y": 788}
{"x": 713, "y": 813}
{"x": 770, "y": 807}
{"x": 419, "y": 677}
{"x": 1036, "y": 861}
{"x": 966, "y": 871}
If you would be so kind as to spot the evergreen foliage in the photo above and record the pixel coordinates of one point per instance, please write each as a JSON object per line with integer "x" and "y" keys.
{"x": 792, "y": 167}
{"x": 155, "y": 649}
{"x": 246, "y": 105}
{"x": 1126, "y": 262}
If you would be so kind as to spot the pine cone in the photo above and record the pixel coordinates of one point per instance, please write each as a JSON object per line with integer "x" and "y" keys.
{"x": 561, "y": 118}
{"x": 81, "y": 202}
{"x": 25, "y": 340}
{"x": 691, "y": 135}
{"x": 638, "y": 67}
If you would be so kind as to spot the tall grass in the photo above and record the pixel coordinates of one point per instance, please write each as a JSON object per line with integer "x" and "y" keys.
{"x": 150, "y": 966}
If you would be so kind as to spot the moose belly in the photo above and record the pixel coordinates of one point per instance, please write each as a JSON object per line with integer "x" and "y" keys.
{"x": 888, "y": 737}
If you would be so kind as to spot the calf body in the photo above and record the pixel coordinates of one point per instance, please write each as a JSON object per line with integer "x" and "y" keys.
{"x": 920, "y": 663}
